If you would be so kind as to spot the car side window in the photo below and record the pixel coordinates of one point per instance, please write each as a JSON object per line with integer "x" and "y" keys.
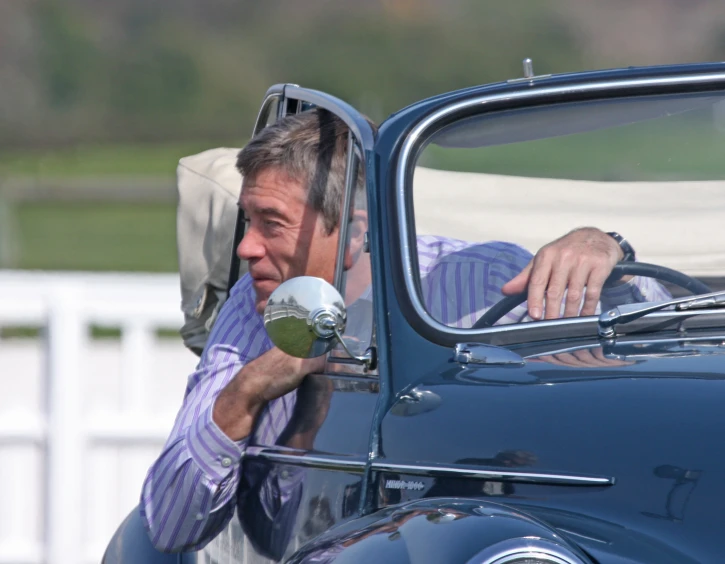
{"x": 490, "y": 190}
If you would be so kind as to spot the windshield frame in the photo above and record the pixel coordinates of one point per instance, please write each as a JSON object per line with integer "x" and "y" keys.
{"x": 531, "y": 94}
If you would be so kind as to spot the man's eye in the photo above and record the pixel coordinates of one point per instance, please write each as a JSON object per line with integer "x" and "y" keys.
{"x": 271, "y": 223}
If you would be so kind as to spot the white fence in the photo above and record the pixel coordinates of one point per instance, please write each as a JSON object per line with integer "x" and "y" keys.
{"x": 80, "y": 418}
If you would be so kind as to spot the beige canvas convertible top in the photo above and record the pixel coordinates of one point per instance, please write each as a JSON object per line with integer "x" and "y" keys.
{"x": 208, "y": 186}
{"x": 676, "y": 231}
{"x": 674, "y": 224}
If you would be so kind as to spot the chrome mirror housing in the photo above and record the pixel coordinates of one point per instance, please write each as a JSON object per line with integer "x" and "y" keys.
{"x": 305, "y": 317}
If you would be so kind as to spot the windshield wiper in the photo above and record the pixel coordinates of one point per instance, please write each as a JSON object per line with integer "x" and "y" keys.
{"x": 630, "y": 312}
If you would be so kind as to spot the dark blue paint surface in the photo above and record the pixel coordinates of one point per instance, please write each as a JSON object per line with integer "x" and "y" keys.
{"x": 655, "y": 426}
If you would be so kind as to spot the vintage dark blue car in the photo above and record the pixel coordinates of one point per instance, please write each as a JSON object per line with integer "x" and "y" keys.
{"x": 442, "y": 436}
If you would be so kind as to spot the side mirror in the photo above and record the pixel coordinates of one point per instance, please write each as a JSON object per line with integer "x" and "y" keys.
{"x": 305, "y": 317}
{"x": 302, "y": 316}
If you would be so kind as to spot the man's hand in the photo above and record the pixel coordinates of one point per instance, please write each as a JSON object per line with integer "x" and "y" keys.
{"x": 582, "y": 259}
{"x": 267, "y": 377}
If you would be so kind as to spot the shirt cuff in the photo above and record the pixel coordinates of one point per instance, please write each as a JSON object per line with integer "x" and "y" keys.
{"x": 215, "y": 453}
{"x": 626, "y": 293}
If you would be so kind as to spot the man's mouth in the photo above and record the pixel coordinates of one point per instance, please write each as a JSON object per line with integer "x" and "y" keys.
{"x": 264, "y": 285}
{"x": 260, "y": 277}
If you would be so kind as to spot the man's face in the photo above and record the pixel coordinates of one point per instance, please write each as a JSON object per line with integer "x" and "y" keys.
{"x": 284, "y": 237}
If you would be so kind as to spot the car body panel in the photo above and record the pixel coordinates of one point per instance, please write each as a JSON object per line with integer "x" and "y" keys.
{"x": 431, "y": 531}
{"x": 631, "y": 423}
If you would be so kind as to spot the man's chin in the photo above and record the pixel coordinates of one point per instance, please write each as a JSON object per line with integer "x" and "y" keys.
{"x": 262, "y": 290}
{"x": 260, "y": 304}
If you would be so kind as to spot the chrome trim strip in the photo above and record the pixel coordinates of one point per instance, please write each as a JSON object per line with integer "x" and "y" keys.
{"x": 490, "y": 474}
{"x": 479, "y": 353}
{"x": 344, "y": 225}
{"x": 629, "y": 341}
{"x": 308, "y": 460}
{"x": 407, "y": 246}
{"x": 357, "y": 466}
{"x": 275, "y": 92}
{"x": 359, "y": 127}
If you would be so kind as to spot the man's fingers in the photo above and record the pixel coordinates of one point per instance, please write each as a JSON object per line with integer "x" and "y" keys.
{"x": 575, "y": 290}
{"x": 538, "y": 282}
{"x": 594, "y": 290}
{"x": 519, "y": 282}
{"x": 556, "y": 288}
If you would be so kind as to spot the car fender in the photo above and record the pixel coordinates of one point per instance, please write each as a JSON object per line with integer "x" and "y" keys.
{"x": 438, "y": 530}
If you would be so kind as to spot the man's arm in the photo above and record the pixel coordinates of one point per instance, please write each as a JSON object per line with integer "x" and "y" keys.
{"x": 269, "y": 377}
{"x": 190, "y": 491}
{"x": 572, "y": 270}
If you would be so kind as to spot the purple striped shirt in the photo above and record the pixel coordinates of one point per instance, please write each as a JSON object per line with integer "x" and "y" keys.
{"x": 192, "y": 489}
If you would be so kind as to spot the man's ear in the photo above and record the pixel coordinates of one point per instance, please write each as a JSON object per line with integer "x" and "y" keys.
{"x": 358, "y": 228}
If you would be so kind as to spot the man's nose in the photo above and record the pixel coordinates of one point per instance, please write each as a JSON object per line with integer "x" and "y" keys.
{"x": 251, "y": 246}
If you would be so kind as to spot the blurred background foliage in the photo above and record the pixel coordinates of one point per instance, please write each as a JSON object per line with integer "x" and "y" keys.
{"x": 125, "y": 88}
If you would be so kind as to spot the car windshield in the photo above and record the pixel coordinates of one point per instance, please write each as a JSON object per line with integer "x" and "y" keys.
{"x": 489, "y": 190}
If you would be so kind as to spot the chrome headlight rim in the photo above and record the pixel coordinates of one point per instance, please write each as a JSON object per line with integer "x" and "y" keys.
{"x": 512, "y": 550}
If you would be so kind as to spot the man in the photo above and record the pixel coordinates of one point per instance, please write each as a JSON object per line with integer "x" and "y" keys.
{"x": 292, "y": 192}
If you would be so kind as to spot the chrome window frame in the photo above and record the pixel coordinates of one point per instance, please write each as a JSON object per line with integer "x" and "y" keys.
{"x": 360, "y": 147}
{"x": 518, "y": 332}
{"x": 360, "y": 136}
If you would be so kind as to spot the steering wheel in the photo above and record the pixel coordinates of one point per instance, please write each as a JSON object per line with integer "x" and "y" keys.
{"x": 501, "y": 308}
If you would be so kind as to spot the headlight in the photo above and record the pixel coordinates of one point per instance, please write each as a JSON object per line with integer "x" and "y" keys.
{"x": 526, "y": 551}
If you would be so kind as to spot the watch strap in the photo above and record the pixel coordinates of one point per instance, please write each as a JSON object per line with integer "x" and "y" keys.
{"x": 627, "y": 249}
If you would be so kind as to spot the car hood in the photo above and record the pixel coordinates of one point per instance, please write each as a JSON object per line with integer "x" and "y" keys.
{"x": 653, "y": 422}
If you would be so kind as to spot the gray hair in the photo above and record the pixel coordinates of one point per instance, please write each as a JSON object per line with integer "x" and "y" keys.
{"x": 311, "y": 147}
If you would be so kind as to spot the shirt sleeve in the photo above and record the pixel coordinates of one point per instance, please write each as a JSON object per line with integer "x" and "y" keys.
{"x": 638, "y": 289}
{"x": 460, "y": 285}
{"x": 190, "y": 490}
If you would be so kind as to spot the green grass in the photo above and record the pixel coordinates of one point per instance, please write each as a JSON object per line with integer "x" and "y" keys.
{"x": 676, "y": 151}
{"x": 98, "y": 160}
{"x": 96, "y": 236}
{"x": 285, "y": 334}
{"x": 96, "y": 333}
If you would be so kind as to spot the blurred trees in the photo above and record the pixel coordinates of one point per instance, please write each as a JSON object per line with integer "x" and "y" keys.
{"x": 77, "y": 71}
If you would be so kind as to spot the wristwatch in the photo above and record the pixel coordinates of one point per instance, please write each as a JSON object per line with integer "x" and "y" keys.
{"x": 627, "y": 249}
